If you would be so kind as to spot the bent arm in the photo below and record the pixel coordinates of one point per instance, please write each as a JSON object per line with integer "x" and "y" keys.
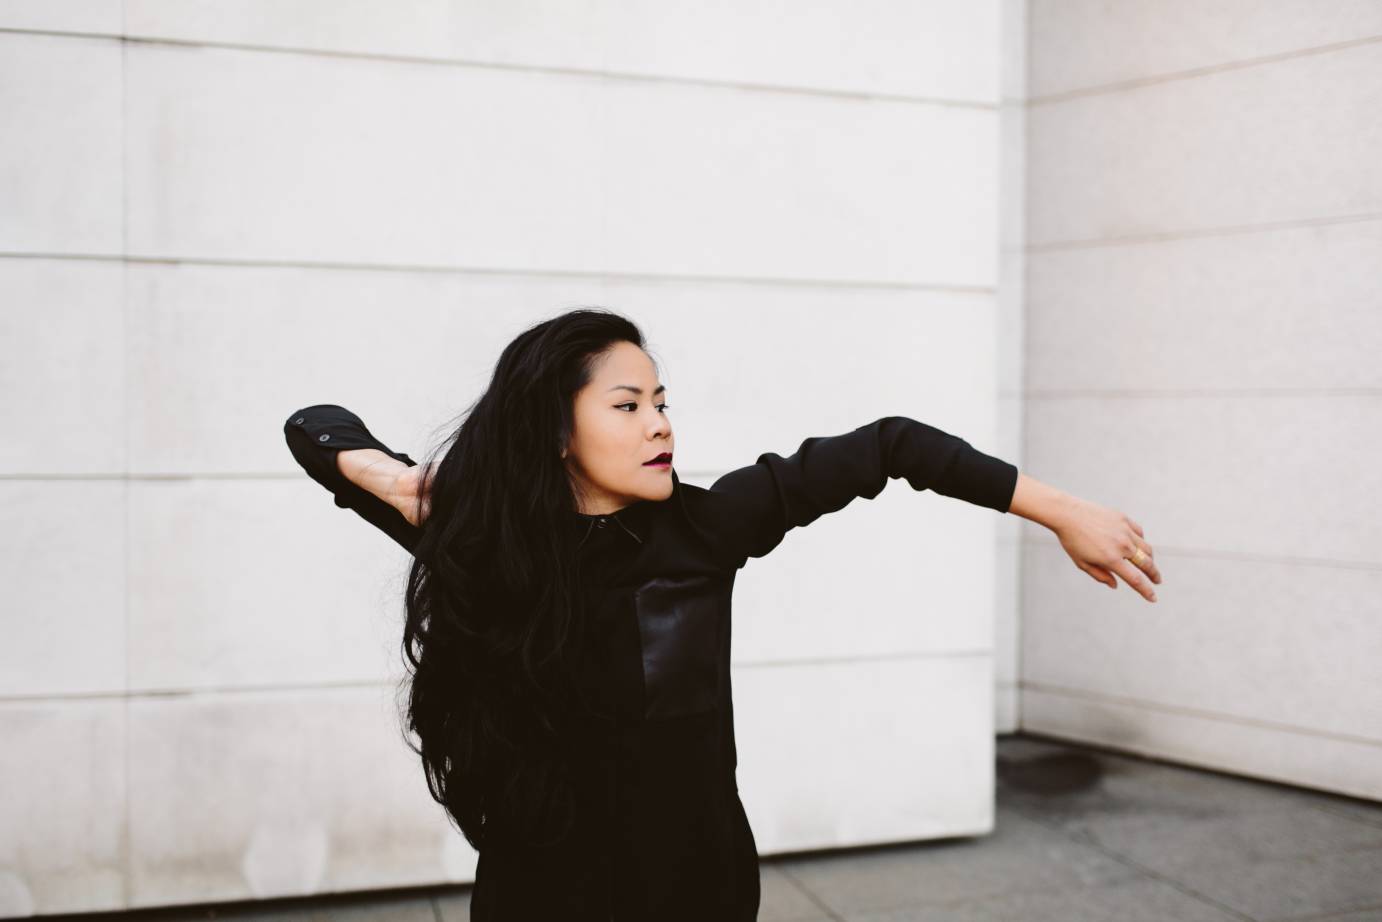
{"x": 338, "y": 451}
{"x": 767, "y": 499}
{"x": 379, "y": 473}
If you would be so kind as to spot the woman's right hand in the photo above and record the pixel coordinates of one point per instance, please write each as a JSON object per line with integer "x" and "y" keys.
{"x": 1102, "y": 541}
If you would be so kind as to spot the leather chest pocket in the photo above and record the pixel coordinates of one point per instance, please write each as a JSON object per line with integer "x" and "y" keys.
{"x": 683, "y": 630}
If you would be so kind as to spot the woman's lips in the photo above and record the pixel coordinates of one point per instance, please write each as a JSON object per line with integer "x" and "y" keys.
{"x": 660, "y": 461}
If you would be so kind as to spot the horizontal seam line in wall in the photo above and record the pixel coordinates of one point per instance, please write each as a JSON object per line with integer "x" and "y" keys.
{"x": 613, "y": 75}
{"x": 1228, "y": 230}
{"x": 593, "y": 275}
{"x": 1180, "y": 710}
{"x": 1135, "y": 83}
{"x": 216, "y": 690}
{"x": 208, "y": 691}
{"x": 152, "y": 476}
{"x": 1195, "y": 392}
{"x": 1197, "y": 553}
{"x": 866, "y": 658}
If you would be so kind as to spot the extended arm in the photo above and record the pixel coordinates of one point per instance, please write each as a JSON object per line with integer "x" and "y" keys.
{"x": 767, "y": 499}
{"x": 336, "y": 450}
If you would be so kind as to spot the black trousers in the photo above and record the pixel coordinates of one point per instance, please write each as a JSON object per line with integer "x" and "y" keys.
{"x": 571, "y": 884}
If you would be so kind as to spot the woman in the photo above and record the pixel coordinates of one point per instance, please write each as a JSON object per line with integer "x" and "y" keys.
{"x": 568, "y": 613}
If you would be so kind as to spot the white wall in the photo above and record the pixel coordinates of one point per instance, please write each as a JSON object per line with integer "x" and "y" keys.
{"x": 1204, "y": 256}
{"x": 221, "y": 211}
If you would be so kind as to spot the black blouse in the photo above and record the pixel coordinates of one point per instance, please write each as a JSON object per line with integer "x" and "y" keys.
{"x": 662, "y": 833}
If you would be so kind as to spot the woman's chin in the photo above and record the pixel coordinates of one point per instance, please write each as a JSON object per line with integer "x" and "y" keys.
{"x": 657, "y": 491}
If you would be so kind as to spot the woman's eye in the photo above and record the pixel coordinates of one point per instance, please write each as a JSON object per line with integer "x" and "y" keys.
{"x": 660, "y": 406}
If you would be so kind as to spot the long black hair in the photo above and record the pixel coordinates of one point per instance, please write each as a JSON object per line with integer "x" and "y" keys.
{"x": 494, "y": 615}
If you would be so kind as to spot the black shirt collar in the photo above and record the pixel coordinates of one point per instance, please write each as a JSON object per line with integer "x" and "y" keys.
{"x": 631, "y": 521}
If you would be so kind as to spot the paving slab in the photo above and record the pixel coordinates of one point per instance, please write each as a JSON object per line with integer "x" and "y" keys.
{"x": 1018, "y": 856}
{"x": 1129, "y": 901}
{"x": 783, "y": 900}
{"x": 1287, "y": 888}
{"x": 453, "y": 906}
{"x": 1170, "y": 845}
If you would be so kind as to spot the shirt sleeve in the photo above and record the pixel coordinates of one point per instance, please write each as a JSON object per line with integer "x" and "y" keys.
{"x": 760, "y": 503}
{"x": 315, "y": 435}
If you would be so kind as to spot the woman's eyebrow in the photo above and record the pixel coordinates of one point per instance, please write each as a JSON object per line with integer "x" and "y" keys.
{"x": 638, "y": 390}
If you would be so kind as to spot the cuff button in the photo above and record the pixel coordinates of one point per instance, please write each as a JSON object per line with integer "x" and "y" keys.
{"x": 323, "y": 437}
{"x": 298, "y": 421}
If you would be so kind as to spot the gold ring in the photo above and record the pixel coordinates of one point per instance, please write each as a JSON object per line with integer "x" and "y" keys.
{"x": 1137, "y": 555}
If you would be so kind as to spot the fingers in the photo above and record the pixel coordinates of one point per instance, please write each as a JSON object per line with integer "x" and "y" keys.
{"x": 1138, "y": 542}
{"x": 1135, "y": 578}
{"x": 1147, "y": 563}
{"x": 1099, "y": 574}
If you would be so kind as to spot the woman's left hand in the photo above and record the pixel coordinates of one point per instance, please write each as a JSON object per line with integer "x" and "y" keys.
{"x": 404, "y": 494}
{"x": 1101, "y": 541}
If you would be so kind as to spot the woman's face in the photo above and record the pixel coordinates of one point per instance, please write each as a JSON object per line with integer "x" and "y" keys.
{"x": 620, "y": 425}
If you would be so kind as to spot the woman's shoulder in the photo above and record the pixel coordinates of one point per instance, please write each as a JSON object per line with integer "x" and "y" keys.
{"x": 702, "y": 504}
{"x": 714, "y": 517}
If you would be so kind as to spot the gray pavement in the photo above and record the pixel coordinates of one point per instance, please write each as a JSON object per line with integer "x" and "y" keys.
{"x": 1081, "y": 835}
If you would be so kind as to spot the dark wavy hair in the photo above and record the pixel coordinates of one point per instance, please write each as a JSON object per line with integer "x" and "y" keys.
{"x": 494, "y": 616}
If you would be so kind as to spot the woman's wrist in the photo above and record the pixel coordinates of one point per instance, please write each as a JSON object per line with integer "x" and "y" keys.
{"x": 1041, "y": 503}
{"x": 372, "y": 470}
